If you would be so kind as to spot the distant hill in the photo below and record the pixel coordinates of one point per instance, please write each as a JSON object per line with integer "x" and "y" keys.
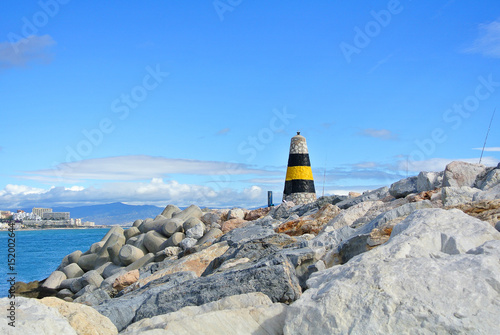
{"x": 110, "y": 214}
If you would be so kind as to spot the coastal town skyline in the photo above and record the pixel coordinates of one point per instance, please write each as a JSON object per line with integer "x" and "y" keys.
{"x": 179, "y": 103}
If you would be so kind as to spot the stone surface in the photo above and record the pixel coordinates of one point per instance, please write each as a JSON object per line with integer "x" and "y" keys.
{"x": 172, "y": 226}
{"x": 402, "y": 188}
{"x": 458, "y": 195}
{"x": 170, "y": 210}
{"x": 190, "y": 223}
{"x": 83, "y": 319}
{"x": 276, "y": 279}
{"x": 428, "y": 181}
{"x": 153, "y": 241}
{"x": 191, "y": 211}
{"x": 310, "y": 224}
{"x": 196, "y": 232}
{"x": 126, "y": 280}
{"x": 91, "y": 278}
{"x": 74, "y": 256}
{"x": 188, "y": 243}
{"x": 231, "y": 224}
{"x": 87, "y": 262}
{"x": 210, "y": 218}
{"x": 251, "y": 313}
{"x": 54, "y": 280}
{"x": 458, "y": 174}
{"x": 486, "y": 210}
{"x": 491, "y": 180}
{"x": 93, "y": 298}
{"x": 350, "y": 215}
{"x": 236, "y": 213}
{"x": 131, "y": 232}
{"x": 257, "y": 213}
{"x": 210, "y": 236}
{"x": 377, "y": 194}
{"x": 384, "y": 290}
{"x": 33, "y": 317}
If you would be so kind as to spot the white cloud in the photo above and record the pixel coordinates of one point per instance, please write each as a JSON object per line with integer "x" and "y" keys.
{"x": 488, "y": 42}
{"x": 155, "y": 192}
{"x": 140, "y": 167}
{"x": 439, "y": 164}
{"x": 383, "y": 134}
{"x": 26, "y": 50}
{"x": 491, "y": 149}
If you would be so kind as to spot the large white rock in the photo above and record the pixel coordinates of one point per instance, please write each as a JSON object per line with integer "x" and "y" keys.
{"x": 452, "y": 196}
{"x": 33, "y": 317}
{"x": 251, "y": 313}
{"x": 351, "y": 214}
{"x": 420, "y": 281}
{"x": 457, "y": 174}
{"x": 428, "y": 181}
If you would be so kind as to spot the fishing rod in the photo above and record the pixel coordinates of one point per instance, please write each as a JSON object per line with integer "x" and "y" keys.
{"x": 487, "y": 133}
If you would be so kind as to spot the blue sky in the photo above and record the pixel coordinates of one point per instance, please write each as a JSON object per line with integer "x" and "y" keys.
{"x": 158, "y": 102}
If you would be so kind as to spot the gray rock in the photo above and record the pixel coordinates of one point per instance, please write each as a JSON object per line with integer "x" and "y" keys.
{"x": 137, "y": 223}
{"x": 122, "y": 310}
{"x": 428, "y": 181}
{"x": 92, "y": 278}
{"x": 64, "y": 293}
{"x": 172, "y": 226}
{"x": 497, "y": 226}
{"x": 402, "y": 188}
{"x": 210, "y": 218}
{"x": 129, "y": 254}
{"x": 85, "y": 290}
{"x": 248, "y": 233}
{"x": 275, "y": 278}
{"x": 54, "y": 280}
{"x": 196, "y": 232}
{"x": 75, "y": 285}
{"x": 145, "y": 225}
{"x": 110, "y": 270}
{"x": 131, "y": 232}
{"x": 188, "y": 243}
{"x": 101, "y": 268}
{"x": 87, "y": 262}
{"x": 458, "y": 195}
{"x": 191, "y": 211}
{"x": 73, "y": 271}
{"x": 236, "y": 213}
{"x": 491, "y": 180}
{"x": 490, "y": 194}
{"x": 170, "y": 210}
{"x": 114, "y": 254}
{"x": 93, "y": 298}
{"x": 173, "y": 240}
{"x": 458, "y": 174}
{"x": 377, "y": 194}
{"x": 66, "y": 284}
{"x": 153, "y": 241}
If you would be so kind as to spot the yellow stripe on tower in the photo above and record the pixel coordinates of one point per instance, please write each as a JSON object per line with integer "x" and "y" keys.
{"x": 299, "y": 172}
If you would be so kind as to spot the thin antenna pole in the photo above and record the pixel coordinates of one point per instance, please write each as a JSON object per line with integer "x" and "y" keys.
{"x": 487, "y": 133}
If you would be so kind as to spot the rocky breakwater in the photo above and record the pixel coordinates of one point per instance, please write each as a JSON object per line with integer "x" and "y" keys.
{"x": 422, "y": 255}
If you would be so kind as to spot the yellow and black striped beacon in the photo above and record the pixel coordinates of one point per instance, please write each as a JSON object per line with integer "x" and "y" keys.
{"x": 299, "y": 182}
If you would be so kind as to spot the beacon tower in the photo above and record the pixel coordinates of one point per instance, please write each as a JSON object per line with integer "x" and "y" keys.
{"x": 299, "y": 182}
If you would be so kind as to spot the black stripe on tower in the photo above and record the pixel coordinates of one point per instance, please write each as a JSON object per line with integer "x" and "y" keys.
{"x": 299, "y": 160}
{"x": 299, "y": 186}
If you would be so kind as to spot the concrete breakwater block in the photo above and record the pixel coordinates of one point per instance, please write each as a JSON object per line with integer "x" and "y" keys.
{"x": 72, "y": 271}
{"x": 129, "y": 254}
{"x": 96, "y": 247}
{"x": 54, "y": 280}
{"x": 191, "y": 211}
{"x": 148, "y": 258}
{"x": 92, "y": 278}
{"x": 172, "y": 226}
{"x": 169, "y": 211}
{"x": 212, "y": 234}
{"x": 131, "y": 232}
{"x": 153, "y": 240}
{"x": 114, "y": 230}
{"x": 87, "y": 262}
{"x": 137, "y": 223}
{"x": 138, "y": 242}
{"x": 145, "y": 224}
{"x": 174, "y": 240}
{"x": 114, "y": 252}
{"x": 74, "y": 256}
{"x": 190, "y": 223}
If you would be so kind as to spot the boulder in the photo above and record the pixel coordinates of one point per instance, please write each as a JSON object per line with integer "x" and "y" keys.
{"x": 73, "y": 271}
{"x": 191, "y": 211}
{"x": 93, "y": 298}
{"x": 172, "y": 226}
{"x": 33, "y": 317}
{"x": 490, "y": 194}
{"x": 384, "y": 290}
{"x": 129, "y": 254}
{"x": 252, "y": 313}
{"x": 126, "y": 280}
{"x": 54, "y": 280}
{"x": 428, "y": 181}
{"x": 196, "y": 232}
{"x": 170, "y": 210}
{"x": 232, "y": 224}
{"x": 210, "y": 218}
{"x": 452, "y": 196}
{"x": 402, "y": 188}
{"x": 188, "y": 243}
{"x": 350, "y": 215}
{"x": 236, "y": 213}
{"x": 491, "y": 180}
{"x": 83, "y": 319}
{"x": 309, "y": 224}
{"x": 458, "y": 174}
{"x": 257, "y": 213}
{"x": 374, "y": 195}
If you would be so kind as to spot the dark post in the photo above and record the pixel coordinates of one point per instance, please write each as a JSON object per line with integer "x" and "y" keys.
{"x": 269, "y": 198}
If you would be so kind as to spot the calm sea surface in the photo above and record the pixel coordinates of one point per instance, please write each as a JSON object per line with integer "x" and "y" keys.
{"x": 39, "y": 252}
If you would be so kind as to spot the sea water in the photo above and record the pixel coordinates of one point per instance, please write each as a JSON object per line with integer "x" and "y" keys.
{"x": 39, "y": 252}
